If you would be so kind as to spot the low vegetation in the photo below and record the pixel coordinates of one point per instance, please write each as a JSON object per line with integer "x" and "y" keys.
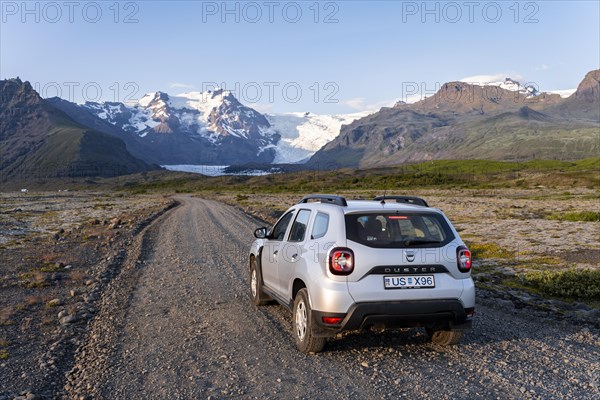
{"x": 488, "y": 250}
{"x": 569, "y": 284}
{"x": 581, "y": 216}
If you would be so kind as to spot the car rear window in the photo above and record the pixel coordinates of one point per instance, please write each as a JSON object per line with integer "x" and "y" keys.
{"x": 398, "y": 230}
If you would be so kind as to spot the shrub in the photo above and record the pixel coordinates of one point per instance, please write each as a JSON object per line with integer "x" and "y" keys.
{"x": 573, "y": 284}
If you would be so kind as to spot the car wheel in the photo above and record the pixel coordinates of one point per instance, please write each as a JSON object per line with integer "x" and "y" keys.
{"x": 256, "y": 291}
{"x": 444, "y": 338}
{"x": 302, "y": 325}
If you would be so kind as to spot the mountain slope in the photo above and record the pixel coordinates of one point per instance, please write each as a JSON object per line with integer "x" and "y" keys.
{"x": 463, "y": 121}
{"x": 585, "y": 102}
{"x": 38, "y": 140}
{"x": 192, "y": 128}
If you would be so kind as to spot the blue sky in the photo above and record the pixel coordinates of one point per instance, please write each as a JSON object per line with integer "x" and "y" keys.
{"x": 282, "y": 56}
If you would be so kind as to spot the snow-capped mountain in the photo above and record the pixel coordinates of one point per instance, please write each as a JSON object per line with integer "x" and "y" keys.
{"x": 302, "y": 134}
{"x": 515, "y": 86}
{"x": 209, "y": 127}
{"x": 212, "y": 115}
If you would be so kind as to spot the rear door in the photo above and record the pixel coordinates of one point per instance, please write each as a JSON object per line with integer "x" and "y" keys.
{"x": 271, "y": 253}
{"x": 293, "y": 250}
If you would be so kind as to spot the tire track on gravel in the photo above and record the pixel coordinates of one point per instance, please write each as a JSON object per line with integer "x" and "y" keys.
{"x": 181, "y": 325}
{"x": 190, "y": 330}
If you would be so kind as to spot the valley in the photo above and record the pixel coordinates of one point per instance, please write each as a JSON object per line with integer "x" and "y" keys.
{"x": 89, "y": 278}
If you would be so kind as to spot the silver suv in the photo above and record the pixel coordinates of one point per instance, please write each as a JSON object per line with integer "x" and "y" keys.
{"x": 347, "y": 265}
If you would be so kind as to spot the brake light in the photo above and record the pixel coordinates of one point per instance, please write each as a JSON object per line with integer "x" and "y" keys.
{"x": 341, "y": 261}
{"x": 463, "y": 259}
{"x": 332, "y": 320}
{"x": 398, "y": 217}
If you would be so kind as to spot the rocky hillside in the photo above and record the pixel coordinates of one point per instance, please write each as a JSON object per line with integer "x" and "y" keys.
{"x": 37, "y": 140}
{"x": 464, "y": 121}
{"x": 192, "y": 128}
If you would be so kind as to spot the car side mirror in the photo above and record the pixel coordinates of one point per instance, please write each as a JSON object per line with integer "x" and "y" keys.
{"x": 260, "y": 233}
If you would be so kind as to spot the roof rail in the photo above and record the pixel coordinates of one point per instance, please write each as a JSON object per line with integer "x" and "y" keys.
{"x": 417, "y": 201}
{"x": 326, "y": 198}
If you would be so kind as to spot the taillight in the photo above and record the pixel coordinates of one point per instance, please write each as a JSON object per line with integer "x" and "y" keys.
{"x": 332, "y": 320}
{"x": 463, "y": 259}
{"x": 341, "y": 261}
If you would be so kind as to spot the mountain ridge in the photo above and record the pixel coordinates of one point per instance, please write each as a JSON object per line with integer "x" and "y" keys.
{"x": 464, "y": 121}
{"x": 38, "y": 140}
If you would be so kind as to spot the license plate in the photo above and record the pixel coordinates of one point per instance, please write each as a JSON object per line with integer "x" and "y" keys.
{"x": 409, "y": 282}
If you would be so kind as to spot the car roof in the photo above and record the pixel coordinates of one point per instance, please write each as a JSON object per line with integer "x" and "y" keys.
{"x": 354, "y": 206}
{"x": 370, "y": 205}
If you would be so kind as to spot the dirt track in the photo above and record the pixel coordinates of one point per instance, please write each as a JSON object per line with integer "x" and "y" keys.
{"x": 178, "y": 323}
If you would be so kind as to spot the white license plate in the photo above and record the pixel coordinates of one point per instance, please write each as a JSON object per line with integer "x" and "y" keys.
{"x": 409, "y": 281}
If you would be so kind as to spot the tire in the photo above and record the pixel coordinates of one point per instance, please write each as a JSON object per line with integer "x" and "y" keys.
{"x": 259, "y": 298}
{"x": 444, "y": 338}
{"x": 302, "y": 325}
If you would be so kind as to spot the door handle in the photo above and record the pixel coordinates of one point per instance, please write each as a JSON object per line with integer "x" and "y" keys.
{"x": 294, "y": 257}
{"x": 276, "y": 252}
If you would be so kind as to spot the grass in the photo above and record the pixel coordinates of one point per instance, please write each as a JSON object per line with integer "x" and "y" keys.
{"x": 581, "y": 216}
{"x": 568, "y": 284}
{"x": 3, "y": 354}
{"x": 477, "y": 174}
{"x": 489, "y": 250}
{"x": 50, "y": 268}
{"x": 543, "y": 275}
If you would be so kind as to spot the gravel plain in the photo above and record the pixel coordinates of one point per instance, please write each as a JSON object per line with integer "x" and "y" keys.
{"x": 177, "y": 323}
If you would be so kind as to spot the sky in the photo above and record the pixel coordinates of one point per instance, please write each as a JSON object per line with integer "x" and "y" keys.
{"x": 285, "y": 56}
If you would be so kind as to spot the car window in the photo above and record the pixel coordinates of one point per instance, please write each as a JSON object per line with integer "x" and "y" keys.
{"x": 278, "y": 232}
{"x": 395, "y": 230}
{"x": 320, "y": 226}
{"x": 299, "y": 226}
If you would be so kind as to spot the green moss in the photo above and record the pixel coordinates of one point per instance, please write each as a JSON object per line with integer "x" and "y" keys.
{"x": 50, "y": 268}
{"x": 581, "y": 216}
{"x": 571, "y": 284}
{"x": 3, "y": 354}
{"x": 489, "y": 250}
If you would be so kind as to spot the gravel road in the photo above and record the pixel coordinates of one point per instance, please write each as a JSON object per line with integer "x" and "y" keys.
{"x": 177, "y": 323}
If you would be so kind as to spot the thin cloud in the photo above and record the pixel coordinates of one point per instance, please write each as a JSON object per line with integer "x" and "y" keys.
{"x": 178, "y": 85}
{"x": 357, "y": 103}
{"x": 360, "y": 104}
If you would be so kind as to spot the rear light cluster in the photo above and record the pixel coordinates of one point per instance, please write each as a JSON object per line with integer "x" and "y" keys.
{"x": 463, "y": 259}
{"x": 332, "y": 320}
{"x": 341, "y": 261}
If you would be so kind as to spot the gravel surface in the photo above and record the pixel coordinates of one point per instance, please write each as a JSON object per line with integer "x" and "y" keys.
{"x": 177, "y": 323}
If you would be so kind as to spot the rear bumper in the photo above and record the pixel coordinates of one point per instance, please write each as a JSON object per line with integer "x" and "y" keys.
{"x": 442, "y": 314}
